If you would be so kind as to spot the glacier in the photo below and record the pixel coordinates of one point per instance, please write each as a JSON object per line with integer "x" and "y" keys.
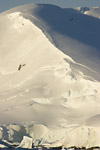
{"x": 50, "y": 77}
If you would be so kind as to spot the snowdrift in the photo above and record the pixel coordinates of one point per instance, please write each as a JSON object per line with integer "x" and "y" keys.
{"x": 49, "y": 77}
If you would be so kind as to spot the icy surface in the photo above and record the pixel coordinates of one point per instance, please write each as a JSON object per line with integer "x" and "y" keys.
{"x": 26, "y": 143}
{"x": 49, "y": 77}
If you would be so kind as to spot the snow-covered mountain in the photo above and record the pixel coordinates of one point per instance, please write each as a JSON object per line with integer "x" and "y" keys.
{"x": 91, "y": 11}
{"x": 50, "y": 76}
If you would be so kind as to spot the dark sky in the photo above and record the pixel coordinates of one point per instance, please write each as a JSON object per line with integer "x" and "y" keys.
{"x": 7, "y": 4}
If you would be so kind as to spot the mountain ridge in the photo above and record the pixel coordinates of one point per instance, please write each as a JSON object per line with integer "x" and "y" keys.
{"x": 45, "y": 93}
{"x": 57, "y": 33}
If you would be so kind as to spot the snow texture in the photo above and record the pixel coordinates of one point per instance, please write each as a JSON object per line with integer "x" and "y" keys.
{"x": 50, "y": 77}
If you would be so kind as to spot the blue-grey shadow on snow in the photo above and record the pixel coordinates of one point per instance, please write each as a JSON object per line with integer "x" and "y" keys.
{"x": 5, "y": 144}
{"x": 72, "y": 23}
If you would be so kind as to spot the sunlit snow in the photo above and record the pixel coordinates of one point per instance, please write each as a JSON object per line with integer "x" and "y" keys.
{"x": 50, "y": 77}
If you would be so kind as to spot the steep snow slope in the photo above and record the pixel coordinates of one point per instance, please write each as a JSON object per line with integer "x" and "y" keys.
{"x": 67, "y": 26}
{"x": 46, "y": 94}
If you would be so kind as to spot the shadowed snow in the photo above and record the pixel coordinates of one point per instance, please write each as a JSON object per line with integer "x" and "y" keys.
{"x": 49, "y": 77}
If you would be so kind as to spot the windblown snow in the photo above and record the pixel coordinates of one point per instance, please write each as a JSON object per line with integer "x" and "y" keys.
{"x": 50, "y": 77}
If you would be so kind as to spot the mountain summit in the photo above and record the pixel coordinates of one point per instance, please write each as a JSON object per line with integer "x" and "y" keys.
{"x": 50, "y": 76}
